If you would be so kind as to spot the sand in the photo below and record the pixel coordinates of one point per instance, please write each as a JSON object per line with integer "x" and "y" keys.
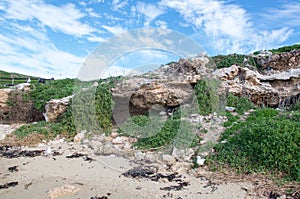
{"x": 59, "y": 177}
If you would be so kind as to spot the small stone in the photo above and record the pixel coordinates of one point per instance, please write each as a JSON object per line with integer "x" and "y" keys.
{"x": 150, "y": 157}
{"x": 41, "y": 145}
{"x": 118, "y": 140}
{"x": 62, "y": 191}
{"x": 168, "y": 159}
{"x": 194, "y": 115}
{"x": 203, "y": 142}
{"x": 114, "y": 135}
{"x": 139, "y": 155}
{"x": 204, "y": 154}
{"x": 181, "y": 167}
{"x": 108, "y": 149}
{"x": 164, "y": 180}
{"x": 229, "y": 108}
{"x": 79, "y": 137}
{"x": 162, "y": 113}
{"x": 247, "y": 113}
{"x": 126, "y": 145}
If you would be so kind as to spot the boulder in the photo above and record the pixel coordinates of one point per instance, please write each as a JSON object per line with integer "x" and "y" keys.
{"x": 227, "y": 73}
{"x": 163, "y": 94}
{"x": 55, "y": 108}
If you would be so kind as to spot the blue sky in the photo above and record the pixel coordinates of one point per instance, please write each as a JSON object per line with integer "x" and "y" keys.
{"x": 52, "y": 38}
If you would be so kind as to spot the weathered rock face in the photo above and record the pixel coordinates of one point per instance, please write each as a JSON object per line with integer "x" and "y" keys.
{"x": 5, "y": 94}
{"x": 55, "y": 107}
{"x": 4, "y": 108}
{"x": 170, "y": 85}
{"x": 167, "y": 87}
{"x": 159, "y": 93}
{"x": 281, "y": 62}
{"x": 273, "y": 89}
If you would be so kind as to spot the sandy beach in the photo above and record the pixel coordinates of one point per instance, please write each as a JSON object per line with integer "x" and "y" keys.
{"x": 56, "y": 176}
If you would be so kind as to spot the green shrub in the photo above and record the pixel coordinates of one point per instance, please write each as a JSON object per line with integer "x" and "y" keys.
{"x": 43, "y": 93}
{"x": 92, "y": 109}
{"x": 207, "y": 96}
{"x": 267, "y": 141}
{"x": 231, "y": 119}
{"x": 66, "y": 120}
{"x": 103, "y": 107}
{"x": 225, "y": 61}
{"x": 241, "y": 104}
{"x": 49, "y": 130}
{"x": 152, "y": 132}
{"x": 286, "y": 49}
{"x": 296, "y": 106}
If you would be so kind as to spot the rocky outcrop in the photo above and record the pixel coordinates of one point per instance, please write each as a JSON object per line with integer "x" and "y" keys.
{"x": 55, "y": 107}
{"x": 169, "y": 86}
{"x": 164, "y": 94}
{"x": 5, "y": 94}
{"x": 273, "y": 89}
{"x": 280, "y": 62}
{"x": 4, "y": 108}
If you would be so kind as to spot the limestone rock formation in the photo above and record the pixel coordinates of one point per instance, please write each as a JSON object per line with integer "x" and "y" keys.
{"x": 55, "y": 107}
{"x": 5, "y": 93}
{"x": 275, "y": 89}
{"x": 4, "y": 108}
{"x": 168, "y": 86}
{"x": 280, "y": 62}
{"x": 277, "y": 84}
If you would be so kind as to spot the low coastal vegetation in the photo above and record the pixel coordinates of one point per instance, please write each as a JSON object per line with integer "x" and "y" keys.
{"x": 267, "y": 141}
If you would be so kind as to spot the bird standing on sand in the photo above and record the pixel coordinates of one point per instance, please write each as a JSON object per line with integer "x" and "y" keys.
{"x": 48, "y": 151}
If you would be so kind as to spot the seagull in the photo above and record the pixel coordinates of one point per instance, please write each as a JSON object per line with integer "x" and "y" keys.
{"x": 48, "y": 151}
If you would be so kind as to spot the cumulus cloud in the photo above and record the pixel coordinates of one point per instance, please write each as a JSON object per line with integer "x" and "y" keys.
{"x": 66, "y": 18}
{"x": 228, "y": 26}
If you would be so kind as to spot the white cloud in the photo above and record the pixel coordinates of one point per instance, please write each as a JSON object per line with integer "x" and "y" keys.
{"x": 36, "y": 56}
{"x": 65, "y": 19}
{"x": 114, "y": 71}
{"x": 228, "y": 26}
{"x": 215, "y": 17}
{"x": 117, "y": 4}
{"x": 95, "y": 39}
{"x": 92, "y": 13}
{"x": 114, "y": 29}
{"x": 288, "y": 14}
{"x": 161, "y": 24}
{"x": 150, "y": 11}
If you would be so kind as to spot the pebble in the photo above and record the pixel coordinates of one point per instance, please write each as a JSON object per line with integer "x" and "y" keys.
{"x": 168, "y": 159}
